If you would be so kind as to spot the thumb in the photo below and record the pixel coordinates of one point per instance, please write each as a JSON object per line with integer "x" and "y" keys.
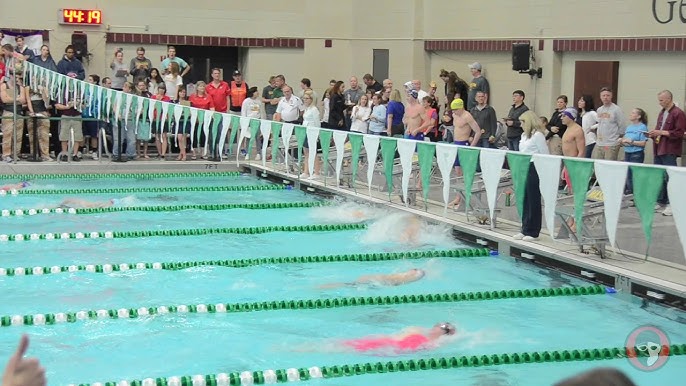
{"x": 16, "y": 358}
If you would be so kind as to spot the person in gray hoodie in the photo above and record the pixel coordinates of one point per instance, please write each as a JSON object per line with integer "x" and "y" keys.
{"x": 44, "y": 59}
{"x": 70, "y": 66}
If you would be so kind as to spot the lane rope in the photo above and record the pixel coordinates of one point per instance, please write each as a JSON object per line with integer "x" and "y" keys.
{"x": 160, "y": 208}
{"x": 247, "y": 378}
{"x": 341, "y": 302}
{"x": 243, "y": 263}
{"x": 147, "y": 189}
{"x": 45, "y": 176}
{"x": 182, "y": 232}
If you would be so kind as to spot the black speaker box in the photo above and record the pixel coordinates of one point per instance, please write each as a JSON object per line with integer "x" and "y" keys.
{"x": 80, "y": 43}
{"x": 520, "y": 56}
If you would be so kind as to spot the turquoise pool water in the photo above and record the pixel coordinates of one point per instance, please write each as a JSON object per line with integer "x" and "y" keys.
{"x": 187, "y": 344}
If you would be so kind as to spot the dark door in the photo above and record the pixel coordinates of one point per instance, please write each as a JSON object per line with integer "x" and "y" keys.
{"x": 591, "y": 76}
{"x": 203, "y": 59}
{"x": 380, "y": 65}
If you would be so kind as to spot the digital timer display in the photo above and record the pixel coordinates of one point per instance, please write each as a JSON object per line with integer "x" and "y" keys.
{"x": 80, "y": 16}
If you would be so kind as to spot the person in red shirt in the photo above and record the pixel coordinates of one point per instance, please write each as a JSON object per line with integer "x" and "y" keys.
{"x": 201, "y": 100}
{"x": 161, "y": 136}
{"x": 218, "y": 91}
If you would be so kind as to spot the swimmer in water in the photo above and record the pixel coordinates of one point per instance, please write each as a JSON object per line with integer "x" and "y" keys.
{"x": 410, "y": 339}
{"x": 17, "y": 186}
{"x": 77, "y": 203}
{"x": 393, "y": 279}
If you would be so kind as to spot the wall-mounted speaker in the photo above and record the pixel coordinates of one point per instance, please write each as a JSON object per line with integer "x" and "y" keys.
{"x": 80, "y": 43}
{"x": 520, "y": 56}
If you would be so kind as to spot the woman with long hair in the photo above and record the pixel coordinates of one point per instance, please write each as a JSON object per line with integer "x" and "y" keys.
{"x": 154, "y": 81}
{"x": 588, "y": 120}
{"x": 184, "y": 128}
{"x": 337, "y": 107}
{"x": 532, "y": 142}
{"x": 395, "y": 112}
{"x": 200, "y": 100}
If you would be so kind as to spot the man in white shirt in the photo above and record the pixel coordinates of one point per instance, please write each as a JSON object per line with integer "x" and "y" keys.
{"x": 289, "y": 107}
{"x": 417, "y": 85}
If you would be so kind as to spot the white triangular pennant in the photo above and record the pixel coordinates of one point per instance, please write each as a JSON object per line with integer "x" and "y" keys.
{"x": 677, "y": 181}
{"x": 371, "y": 146}
{"x": 406, "y": 150}
{"x": 491, "y": 162}
{"x": 163, "y": 120}
{"x": 127, "y": 106}
{"x": 226, "y": 123}
{"x": 207, "y": 123}
{"x": 339, "y": 142}
{"x": 139, "y": 111}
{"x": 548, "y": 169}
{"x": 611, "y": 177}
{"x": 266, "y": 130}
{"x": 445, "y": 158}
{"x": 312, "y": 136}
{"x": 117, "y": 106}
{"x": 244, "y": 133}
{"x": 286, "y": 133}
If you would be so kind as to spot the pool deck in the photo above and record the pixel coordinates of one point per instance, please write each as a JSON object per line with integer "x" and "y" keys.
{"x": 626, "y": 271}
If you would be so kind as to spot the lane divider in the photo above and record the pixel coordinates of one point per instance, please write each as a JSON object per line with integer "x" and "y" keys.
{"x": 155, "y": 189}
{"x": 243, "y": 263}
{"x": 134, "y": 313}
{"x": 182, "y": 232}
{"x": 160, "y": 208}
{"x": 247, "y": 378}
{"x": 44, "y": 176}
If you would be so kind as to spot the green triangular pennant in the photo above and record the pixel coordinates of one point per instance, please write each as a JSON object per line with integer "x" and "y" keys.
{"x": 300, "y": 135}
{"x": 356, "y": 147}
{"x": 235, "y": 128}
{"x": 254, "y": 128}
{"x": 425, "y": 153}
{"x": 580, "y": 173}
{"x": 325, "y": 140}
{"x": 648, "y": 183}
{"x": 158, "y": 117}
{"x": 201, "y": 127}
{"x": 468, "y": 160}
{"x": 519, "y": 167}
{"x": 388, "y": 146}
{"x": 216, "y": 122}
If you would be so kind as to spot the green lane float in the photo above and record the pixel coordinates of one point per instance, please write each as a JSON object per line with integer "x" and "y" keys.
{"x": 133, "y": 313}
{"x": 153, "y": 189}
{"x": 166, "y": 208}
{"x": 243, "y": 263}
{"x": 183, "y": 232}
{"x": 44, "y": 176}
{"x": 247, "y": 378}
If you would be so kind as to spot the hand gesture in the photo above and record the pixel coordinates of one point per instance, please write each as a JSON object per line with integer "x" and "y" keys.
{"x": 21, "y": 371}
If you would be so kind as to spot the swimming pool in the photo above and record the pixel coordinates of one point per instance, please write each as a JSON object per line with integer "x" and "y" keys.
{"x": 118, "y": 341}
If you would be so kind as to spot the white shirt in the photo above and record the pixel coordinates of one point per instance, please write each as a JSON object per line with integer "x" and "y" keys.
{"x": 359, "y": 116}
{"x": 589, "y": 121}
{"x": 534, "y": 145}
{"x": 251, "y": 108}
{"x": 311, "y": 117}
{"x": 325, "y": 115}
{"x": 420, "y": 95}
{"x": 289, "y": 109}
{"x": 172, "y": 85}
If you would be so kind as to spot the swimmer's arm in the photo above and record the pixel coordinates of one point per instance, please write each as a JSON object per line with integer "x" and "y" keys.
{"x": 476, "y": 129}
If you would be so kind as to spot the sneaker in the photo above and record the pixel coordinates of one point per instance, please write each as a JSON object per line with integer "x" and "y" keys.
{"x": 94, "y": 156}
{"x": 518, "y": 236}
{"x": 529, "y": 238}
{"x": 47, "y": 159}
{"x": 247, "y": 157}
{"x": 64, "y": 158}
{"x": 659, "y": 207}
{"x": 304, "y": 176}
{"x": 243, "y": 152}
{"x": 7, "y": 159}
{"x": 76, "y": 158}
{"x": 258, "y": 157}
{"x": 667, "y": 211}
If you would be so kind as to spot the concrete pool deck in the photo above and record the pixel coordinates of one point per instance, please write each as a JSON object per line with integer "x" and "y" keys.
{"x": 661, "y": 276}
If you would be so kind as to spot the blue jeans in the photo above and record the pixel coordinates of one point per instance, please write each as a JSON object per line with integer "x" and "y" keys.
{"x": 666, "y": 160}
{"x": 589, "y": 151}
{"x": 636, "y": 158}
{"x": 513, "y": 144}
{"x": 128, "y": 132}
{"x": 483, "y": 142}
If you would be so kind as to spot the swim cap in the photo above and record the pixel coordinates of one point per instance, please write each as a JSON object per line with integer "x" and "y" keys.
{"x": 570, "y": 113}
{"x": 24, "y": 184}
{"x": 413, "y": 93}
{"x": 457, "y": 104}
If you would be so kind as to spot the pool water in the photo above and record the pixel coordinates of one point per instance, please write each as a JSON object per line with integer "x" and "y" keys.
{"x": 178, "y": 344}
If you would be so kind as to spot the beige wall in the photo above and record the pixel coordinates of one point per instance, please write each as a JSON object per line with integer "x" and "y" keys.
{"x": 502, "y": 19}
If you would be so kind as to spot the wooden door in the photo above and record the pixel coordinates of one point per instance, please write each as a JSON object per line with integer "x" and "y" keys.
{"x": 591, "y": 76}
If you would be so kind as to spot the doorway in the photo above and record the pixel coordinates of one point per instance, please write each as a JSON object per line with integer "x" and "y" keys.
{"x": 203, "y": 59}
{"x": 591, "y": 76}
{"x": 380, "y": 64}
